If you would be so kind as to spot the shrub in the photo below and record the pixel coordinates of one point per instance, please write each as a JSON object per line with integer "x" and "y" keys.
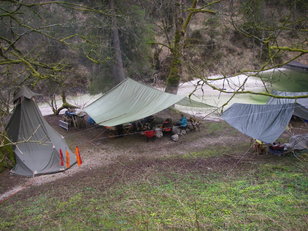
{"x": 7, "y": 158}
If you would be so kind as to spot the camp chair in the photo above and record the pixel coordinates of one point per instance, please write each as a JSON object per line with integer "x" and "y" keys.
{"x": 69, "y": 117}
{"x": 167, "y": 127}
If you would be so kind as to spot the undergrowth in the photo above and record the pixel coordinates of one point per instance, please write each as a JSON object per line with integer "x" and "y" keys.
{"x": 7, "y": 159}
{"x": 263, "y": 195}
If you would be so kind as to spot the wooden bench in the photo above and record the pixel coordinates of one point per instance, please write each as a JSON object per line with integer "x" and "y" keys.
{"x": 63, "y": 124}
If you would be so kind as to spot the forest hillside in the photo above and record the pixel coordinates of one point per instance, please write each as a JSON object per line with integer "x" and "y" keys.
{"x": 65, "y": 47}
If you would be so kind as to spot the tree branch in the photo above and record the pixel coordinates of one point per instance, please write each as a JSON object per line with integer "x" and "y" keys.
{"x": 73, "y": 6}
{"x": 255, "y": 93}
{"x": 162, "y": 44}
{"x": 304, "y": 51}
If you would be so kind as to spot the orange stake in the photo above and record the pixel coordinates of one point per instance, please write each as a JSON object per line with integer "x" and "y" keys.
{"x": 67, "y": 159}
{"x": 78, "y": 157}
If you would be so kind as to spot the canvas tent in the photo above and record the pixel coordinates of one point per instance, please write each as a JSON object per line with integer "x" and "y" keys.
{"x": 130, "y": 101}
{"x": 297, "y": 66}
{"x": 37, "y": 143}
{"x": 301, "y": 109}
{"x": 266, "y": 122}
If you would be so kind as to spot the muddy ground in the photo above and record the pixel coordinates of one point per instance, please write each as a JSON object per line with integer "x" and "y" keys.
{"x": 102, "y": 151}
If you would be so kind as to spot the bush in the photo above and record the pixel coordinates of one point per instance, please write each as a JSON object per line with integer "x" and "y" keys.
{"x": 7, "y": 158}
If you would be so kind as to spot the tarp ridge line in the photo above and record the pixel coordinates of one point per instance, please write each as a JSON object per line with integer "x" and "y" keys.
{"x": 272, "y": 110}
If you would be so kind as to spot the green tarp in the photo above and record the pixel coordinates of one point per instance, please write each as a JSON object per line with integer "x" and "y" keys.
{"x": 37, "y": 143}
{"x": 130, "y": 101}
{"x": 188, "y": 102}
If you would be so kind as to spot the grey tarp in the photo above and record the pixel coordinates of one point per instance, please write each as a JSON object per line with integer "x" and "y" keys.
{"x": 262, "y": 122}
{"x": 297, "y": 66}
{"x": 301, "y": 108}
{"x": 130, "y": 101}
{"x": 37, "y": 143}
{"x": 267, "y": 122}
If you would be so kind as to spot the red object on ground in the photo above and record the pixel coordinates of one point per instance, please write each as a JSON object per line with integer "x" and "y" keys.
{"x": 61, "y": 158}
{"x": 167, "y": 129}
{"x": 150, "y": 133}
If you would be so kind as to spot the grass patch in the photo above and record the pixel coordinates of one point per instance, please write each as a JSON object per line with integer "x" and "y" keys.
{"x": 288, "y": 80}
{"x": 215, "y": 128}
{"x": 216, "y": 151}
{"x": 259, "y": 99}
{"x": 262, "y": 196}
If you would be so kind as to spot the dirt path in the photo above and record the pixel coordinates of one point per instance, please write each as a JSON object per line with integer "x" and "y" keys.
{"x": 98, "y": 151}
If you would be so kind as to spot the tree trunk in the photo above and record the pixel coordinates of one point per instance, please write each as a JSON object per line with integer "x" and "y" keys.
{"x": 174, "y": 76}
{"x": 117, "y": 69}
{"x": 65, "y": 104}
{"x": 182, "y": 21}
